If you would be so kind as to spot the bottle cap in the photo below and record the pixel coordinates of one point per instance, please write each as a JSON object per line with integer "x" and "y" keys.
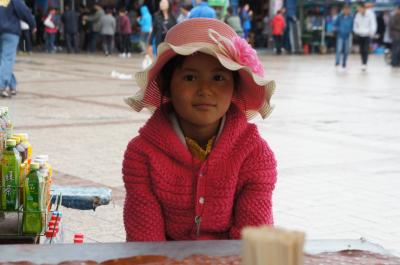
{"x": 11, "y": 142}
{"x": 78, "y": 238}
{"x": 16, "y": 138}
{"x": 23, "y": 136}
{"x": 35, "y": 166}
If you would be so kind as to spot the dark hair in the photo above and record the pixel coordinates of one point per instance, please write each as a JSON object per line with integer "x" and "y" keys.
{"x": 165, "y": 76}
{"x": 229, "y": 10}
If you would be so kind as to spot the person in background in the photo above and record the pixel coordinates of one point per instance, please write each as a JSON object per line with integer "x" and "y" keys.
{"x": 70, "y": 20}
{"x": 365, "y": 27}
{"x": 40, "y": 36}
{"x": 395, "y": 36}
{"x": 11, "y": 13}
{"x": 330, "y": 28}
{"x": 95, "y": 26}
{"x": 198, "y": 169}
{"x": 246, "y": 16}
{"x": 84, "y": 28}
{"x": 50, "y": 30}
{"x": 145, "y": 21}
{"x": 266, "y": 32}
{"x": 343, "y": 27}
{"x": 25, "y": 41}
{"x": 107, "y": 30}
{"x": 387, "y": 41}
{"x": 125, "y": 30}
{"x": 278, "y": 28}
{"x": 234, "y": 21}
{"x": 202, "y": 9}
{"x": 184, "y": 13}
{"x": 163, "y": 20}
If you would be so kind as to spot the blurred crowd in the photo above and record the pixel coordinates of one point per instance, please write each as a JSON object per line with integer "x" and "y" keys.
{"x": 141, "y": 28}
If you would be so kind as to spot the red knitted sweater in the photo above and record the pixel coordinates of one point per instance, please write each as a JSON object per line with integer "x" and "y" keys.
{"x": 167, "y": 189}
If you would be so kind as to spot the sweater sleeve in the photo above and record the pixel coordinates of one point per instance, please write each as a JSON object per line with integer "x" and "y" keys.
{"x": 143, "y": 217}
{"x": 257, "y": 177}
{"x": 24, "y": 13}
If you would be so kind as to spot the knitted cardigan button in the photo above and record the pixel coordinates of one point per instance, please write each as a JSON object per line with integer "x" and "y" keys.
{"x": 201, "y": 200}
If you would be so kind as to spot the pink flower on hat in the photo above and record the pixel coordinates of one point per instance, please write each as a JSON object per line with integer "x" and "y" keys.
{"x": 246, "y": 55}
{"x": 238, "y": 50}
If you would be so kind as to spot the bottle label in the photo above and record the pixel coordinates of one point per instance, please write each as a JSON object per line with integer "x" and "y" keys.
{"x": 10, "y": 182}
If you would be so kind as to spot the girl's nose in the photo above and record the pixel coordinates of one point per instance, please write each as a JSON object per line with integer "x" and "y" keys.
{"x": 204, "y": 89}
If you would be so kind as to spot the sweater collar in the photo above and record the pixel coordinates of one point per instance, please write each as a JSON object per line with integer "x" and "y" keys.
{"x": 159, "y": 131}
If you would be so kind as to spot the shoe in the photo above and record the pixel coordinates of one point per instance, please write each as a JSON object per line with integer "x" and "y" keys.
{"x": 122, "y": 55}
{"x": 364, "y": 67}
{"x": 13, "y": 92}
{"x": 4, "y": 93}
{"x": 128, "y": 55}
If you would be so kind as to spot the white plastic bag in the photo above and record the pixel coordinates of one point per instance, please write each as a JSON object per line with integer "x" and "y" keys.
{"x": 48, "y": 23}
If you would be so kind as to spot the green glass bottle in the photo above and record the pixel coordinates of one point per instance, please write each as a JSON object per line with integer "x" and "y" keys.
{"x": 32, "y": 218}
{"x": 10, "y": 167}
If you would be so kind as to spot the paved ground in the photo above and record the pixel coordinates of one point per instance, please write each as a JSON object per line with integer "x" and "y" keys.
{"x": 336, "y": 138}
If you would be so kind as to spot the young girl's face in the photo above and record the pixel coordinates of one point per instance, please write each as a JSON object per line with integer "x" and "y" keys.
{"x": 201, "y": 91}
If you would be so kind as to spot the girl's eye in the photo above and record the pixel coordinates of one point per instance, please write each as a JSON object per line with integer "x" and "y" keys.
{"x": 189, "y": 78}
{"x": 218, "y": 78}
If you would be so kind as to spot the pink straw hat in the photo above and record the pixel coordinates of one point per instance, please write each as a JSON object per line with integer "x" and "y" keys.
{"x": 215, "y": 38}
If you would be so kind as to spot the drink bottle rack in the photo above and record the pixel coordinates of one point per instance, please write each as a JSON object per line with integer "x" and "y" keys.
{"x": 11, "y": 221}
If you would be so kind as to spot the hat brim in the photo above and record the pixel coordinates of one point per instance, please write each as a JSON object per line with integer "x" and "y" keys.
{"x": 253, "y": 91}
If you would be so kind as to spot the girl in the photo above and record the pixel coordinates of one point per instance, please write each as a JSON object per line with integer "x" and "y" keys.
{"x": 198, "y": 169}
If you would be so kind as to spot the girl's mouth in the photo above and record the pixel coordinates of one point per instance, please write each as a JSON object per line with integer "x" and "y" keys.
{"x": 204, "y": 106}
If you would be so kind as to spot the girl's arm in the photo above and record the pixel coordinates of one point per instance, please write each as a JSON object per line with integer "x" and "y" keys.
{"x": 143, "y": 217}
{"x": 257, "y": 178}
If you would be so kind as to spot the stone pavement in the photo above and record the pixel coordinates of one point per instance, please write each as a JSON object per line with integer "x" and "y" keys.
{"x": 335, "y": 135}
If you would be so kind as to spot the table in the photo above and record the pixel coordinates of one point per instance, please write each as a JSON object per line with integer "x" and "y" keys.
{"x": 177, "y": 249}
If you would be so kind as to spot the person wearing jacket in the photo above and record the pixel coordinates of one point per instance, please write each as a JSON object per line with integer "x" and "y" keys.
{"x": 202, "y": 9}
{"x": 278, "y": 28}
{"x": 395, "y": 36}
{"x": 365, "y": 27}
{"x": 343, "y": 27}
{"x": 70, "y": 20}
{"x": 234, "y": 21}
{"x": 107, "y": 30}
{"x": 246, "y": 16}
{"x": 145, "y": 21}
{"x": 125, "y": 30}
{"x": 96, "y": 25}
{"x": 50, "y": 30}
{"x": 11, "y": 13}
{"x": 162, "y": 22}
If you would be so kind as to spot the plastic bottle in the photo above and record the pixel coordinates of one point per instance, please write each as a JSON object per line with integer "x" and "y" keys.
{"x": 9, "y": 124}
{"x": 10, "y": 174}
{"x": 33, "y": 207}
{"x": 21, "y": 149}
{"x": 27, "y": 145}
{"x": 48, "y": 165}
{"x": 3, "y": 133}
{"x": 47, "y": 172}
{"x": 78, "y": 238}
{"x": 3, "y": 136}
